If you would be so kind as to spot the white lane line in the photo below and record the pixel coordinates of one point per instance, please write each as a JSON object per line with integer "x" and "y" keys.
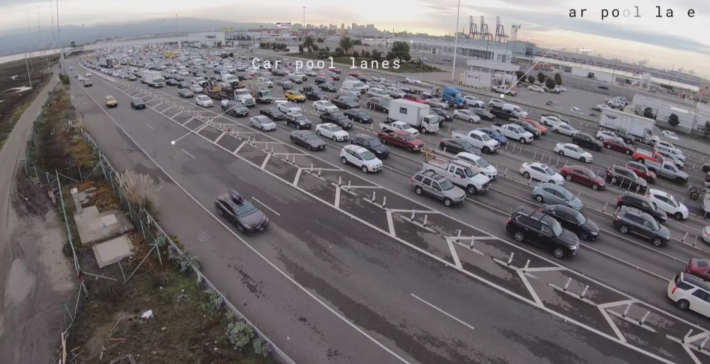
{"x": 156, "y": 105}
{"x": 174, "y": 116}
{"x": 149, "y": 126}
{"x": 298, "y": 176}
{"x": 534, "y": 295}
{"x": 239, "y": 148}
{"x": 188, "y": 153}
{"x": 188, "y": 120}
{"x": 454, "y": 254}
{"x": 219, "y": 137}
{"x": 158, "y": 190}
{"x": 165, "y": 110}
{"x": 390, "y": 223}
{"x": 192, "y": 131}
{"x": 263, "y": 204}
{"x": 337, "y": 198}
{"x": 612, "y": 324}
{"x": 266, "y": 160}
{"x": 692, "y": 354}
{"x": 442, "y": 311}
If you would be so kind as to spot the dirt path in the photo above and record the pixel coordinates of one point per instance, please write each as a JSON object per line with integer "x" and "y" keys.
{"x": 35, "y": 277}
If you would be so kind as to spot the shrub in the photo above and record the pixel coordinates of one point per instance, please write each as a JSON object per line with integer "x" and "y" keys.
{"x": 240, "y": 334}
{"x": 139, "y": 189}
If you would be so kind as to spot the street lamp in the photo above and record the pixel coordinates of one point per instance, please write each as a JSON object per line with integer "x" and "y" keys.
{"x": 304, "y": 23}
{"x": 456, "y": 41}
{"x": 59, "y": 42}
{"x": 176, "y": 30}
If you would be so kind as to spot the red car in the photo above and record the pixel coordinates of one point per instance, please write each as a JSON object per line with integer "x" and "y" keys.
{"x": 618, "y": 145}
{"x": 642, "y": 171}
{"x": 699, "y": 268}
{"x": 415, "y": 98}
{"x": 334, "y": 69}
{"x": 583, "y": 176}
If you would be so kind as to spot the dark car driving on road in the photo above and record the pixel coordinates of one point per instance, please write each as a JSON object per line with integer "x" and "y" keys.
{"x": 240, "y": 212}
{"x": 137, "y": 103}
{"x": 307, "y": 139}
{"x": 536, "y": 227}
{"x": 272, "y": 113}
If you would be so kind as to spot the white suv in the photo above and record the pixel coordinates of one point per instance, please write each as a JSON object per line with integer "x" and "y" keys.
{"x": 361, "y": 157}
{"x": 666, "y": 202}
{"x": 690, "y": 293}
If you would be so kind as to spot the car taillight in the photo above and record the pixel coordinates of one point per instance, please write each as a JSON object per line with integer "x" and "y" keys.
{"x": 617, "y": 217}
{"x": 509, "y": 220}
{"x": 706, "y": 234}
{"x": 620, "y": 200}
{"x": 673, "y": 290}
{"x": 411, "y": 180}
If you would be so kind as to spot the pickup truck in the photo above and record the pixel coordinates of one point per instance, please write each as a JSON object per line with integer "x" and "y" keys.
{"x": 398, "y": 125}
{"x": 478, "y": 139}
{"x": 402, "y": 139}
{"x": 459, "y": 173}
{"x": 661, "y": 166}
{"x": 515, "y": 132}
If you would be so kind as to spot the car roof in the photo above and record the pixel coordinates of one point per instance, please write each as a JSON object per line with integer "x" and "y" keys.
{"x": 326, "y": 124}
{"x": 655, "y": 191}
{"x": 695, "y": 281}
{"x": 355, "y": 148}
{"x": 564, "y": 208}
{"x": 538, "y": 164}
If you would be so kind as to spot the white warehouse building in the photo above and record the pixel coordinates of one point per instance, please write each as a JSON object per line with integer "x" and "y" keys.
{"x": 468, "y": 49}
{"x": 208, "y": 38}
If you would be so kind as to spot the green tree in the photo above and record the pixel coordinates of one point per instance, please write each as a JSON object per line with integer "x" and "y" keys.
{"x": 376, "y": 55}
{"x": 346, "y": 44}
{"x": 550, "y": 83}
{"x": 673, "y": 120}
{"x": 558, "y": 79}
{"x": 300, "y": 48}
{"x": 320, "y": 40}
{"x": 316, "y": 48}
{"x": 308, "y": 43}
{"x": 541, "y": 77}
{"x": 401, "y": 50}
{"x": 357, "y": 42}
{"x": 339, "y": 52}
{"x": 73, "y": 44}
{"x": 366, "y": 54}
{"x": 327, "y": 49}
{"x": 520, "y": 76}
{"x": 648, "y": 113}
{"x": 391, "y": 56}
{"x": 356, "y": 54}
{"x": 531, "y": 79}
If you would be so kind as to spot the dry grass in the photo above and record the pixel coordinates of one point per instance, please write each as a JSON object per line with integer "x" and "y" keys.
{"x": 140, "y": 190}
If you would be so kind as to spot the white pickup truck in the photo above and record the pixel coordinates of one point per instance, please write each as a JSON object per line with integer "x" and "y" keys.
{"x": 459, "y": 173}
{"x": 399, "y": 125}
{"x": 515, "y": 132}
{"x": 478, "y": 139}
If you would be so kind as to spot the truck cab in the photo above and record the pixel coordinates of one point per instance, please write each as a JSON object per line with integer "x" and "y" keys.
{"x": 454, "y": 97}
{"x": 244, "y": 95}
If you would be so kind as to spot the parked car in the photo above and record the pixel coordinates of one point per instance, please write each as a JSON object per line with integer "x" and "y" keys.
{"x": 483, "y": 114}
{"x": 538, "y": 228}
{"x": 583, "y": 176}
{"x": 573, "y": 221}
{"x": 430, "y": 183}
{"x": 495, "y": 135}
{"x": 185, "y": 93}
{"x": 297, "y": 121}
{"x": 307, "y": 139}
{"x": 690, "y": 293}
{"x": 240, "y": 212}
{"x": 361, "y": 158}
{"x": 541, "y": 172}
{"x": 372, "y": 144}
{"x": 642, "y": 171}
{"x": 345, "y": 102}
{"x": 635, "y": 221}
{"x": 359, "y": 115}
{"x": 699, "y": 268}
{"x": 204, "y": 101}
{"x": 324, "y": 106}
{"x": 379, "y": 104}
{"x": 552, "y": 193}
{"x": 467, "y": 115}
{"x": 234, "y": 108}
{"x": 642, "y": 203}
{"x": 456, "y": 145}
{"x": 338, "y": 119}
{"x": 272, "y": 113}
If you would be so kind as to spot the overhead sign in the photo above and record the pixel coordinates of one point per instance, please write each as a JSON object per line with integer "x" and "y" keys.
{"x": 283, "y": 25}
{"x": 227, "y": 29}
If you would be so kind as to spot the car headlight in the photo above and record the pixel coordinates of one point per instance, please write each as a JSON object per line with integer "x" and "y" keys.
{"x": 594, "y": 233}
{"x": 573, "y": 247}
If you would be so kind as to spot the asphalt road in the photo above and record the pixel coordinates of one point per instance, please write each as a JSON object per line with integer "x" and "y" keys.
{"x": 377, "y": 271}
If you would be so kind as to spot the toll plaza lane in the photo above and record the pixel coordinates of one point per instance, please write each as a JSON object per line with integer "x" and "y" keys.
{"x": 374, "y": 277}
{"x": 500, "y": 252}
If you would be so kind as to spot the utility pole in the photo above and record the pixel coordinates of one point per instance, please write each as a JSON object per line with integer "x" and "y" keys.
{"x": 304, "y": 24}
{"x": 59, "y": 41}
{"x": 456, "y": 41}
{"x": 29, "y": 36}
{"x": 176, "y": 30}
{"x": 39, "y": 30}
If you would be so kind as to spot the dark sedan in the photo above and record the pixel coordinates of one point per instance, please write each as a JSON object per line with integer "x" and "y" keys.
{"x": 328, "y": 87}
{"x": 372, "y": 144}
{"x": 485, "y": 115}
{"x": 618, "y": 145}
{"x": 345, "y": 102}
{"x": 380, "y": 104}
{"x": 359, "y": 116}
{"x": 316, "y": 95}
{"x": 171, "y": 82}
{"x": 455, "y": 146}
{"x": 307, "y": 139}
{"x": 137, "y": 103}
{"x": 272, "y": 113}
{"x": 235, "y": 109}
{"x": 240, "y": 212}
{"x": 443, "y": 115}
{"x": 573, "y": 221}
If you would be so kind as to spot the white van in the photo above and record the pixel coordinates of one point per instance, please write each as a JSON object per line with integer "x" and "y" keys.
{"x": 349, "y": 91}
{"x": 356, "y": 84}
{"x": 516, "y": 111}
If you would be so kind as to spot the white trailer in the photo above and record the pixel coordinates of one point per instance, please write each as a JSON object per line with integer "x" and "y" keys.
{"x": 415, "y": 114}
{"x": 153, "y": 79}
{"x": 629, "y": 126}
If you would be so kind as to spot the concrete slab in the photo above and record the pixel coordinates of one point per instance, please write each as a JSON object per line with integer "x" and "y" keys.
{"x": 95, "y": 226}
{"x": 110, "y": 252}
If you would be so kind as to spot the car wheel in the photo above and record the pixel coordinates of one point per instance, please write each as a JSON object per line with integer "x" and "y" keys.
{"x": 410, "y": 149}
{"x": 562, "y": 153}
{"x": 486, "y": 150}
{"x": 608, "y": 146}
{"x": 334, "y": 138}
{"x": 448, "y": 202}
{"x": 471, "y": 189}
{"x": 624, "y": 229}
{"x": 539, "y": 198}
{"x": 522, "y": 140}
{"x": 519, "y": 236}
{"x": 240, "y": 228}
{"x": 418, "y": 190}
{"x": 559, "y": 253}
{"x": 628, "y": 152}
{"x": 657, "y": 242}
{"x": 583, "y": 160}
{"x": 318, "y": 132}
{"x": 682, "y": 305}
{"x": 640, "y": 160}
{"x": 343, "y": 160}
{"x": 310, "y": 148}
{"x": 678, "y": 216}
{"x": 595, "y": 186}
{"x": 568, "y": 177}
{"x": 557, "y": 131}
{"x": 526, "y": 174}
{"x": 219, "y": 212}
{"x": 583, "y": 235}
{"x": 364, "y": 169}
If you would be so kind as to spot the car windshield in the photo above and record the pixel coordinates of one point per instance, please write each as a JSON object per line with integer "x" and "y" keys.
{"x": 654, "y": 223}
{"x": 483, "y": 163}
{"x": 485, "y": 137}
{"x": 548, "y": 171}
{"x": 469, "y": 173}
{"x": 374, "y": 142}
{"x": 675, "y": 203}
{"x": 568, "y": 195}
{"x": 581, "y": 219}
{"x": 556, "y": 229}
{"x": 409, "y": 137}
{"x": 446, "y": 184}
{"x": 327, "y": 104}
{"x": 296, "y": 93}
{"x": 335, "y": 128}
{"x": 367, "y": 155}
{"x": 244, "y": 209}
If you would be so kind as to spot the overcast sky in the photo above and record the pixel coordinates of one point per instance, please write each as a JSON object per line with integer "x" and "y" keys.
{"x": 679, "y": 41}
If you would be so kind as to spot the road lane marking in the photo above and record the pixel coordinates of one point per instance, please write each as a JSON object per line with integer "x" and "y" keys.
{"x": 500, "y": 288}
{"x": 188, "y": 120}
{"x": 298, "y": 176}
{"x": 531, "y": 290}
{"x": 263, "y": 204}
{"x": 219, "y": 137}
{"x": 612, "y": 324}
{"x": 239, "y": 148}
{"x": 454, "y": 254}
{"x": 162, "y": 112}
{"x": 337, "y": 198}
{"x": 442, "y": 311}
{"x": 266, "y": 160}
{"x": 149, "y": 126}
{"x": 390, "y": 223}
{"x": 193, "y": 157}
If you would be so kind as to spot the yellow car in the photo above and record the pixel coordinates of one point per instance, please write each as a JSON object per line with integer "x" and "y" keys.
{"x": 292, "y": 95}
{"x": 111, "y": 102}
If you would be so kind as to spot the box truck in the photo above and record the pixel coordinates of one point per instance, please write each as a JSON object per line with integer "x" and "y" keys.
{"x": 153, "y": 79}
{"x": 629, "y": 127}
{"x": 415, "y": 114}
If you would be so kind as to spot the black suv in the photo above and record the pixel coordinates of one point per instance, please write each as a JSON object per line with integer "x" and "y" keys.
{"x": 625, "y": 178}
{"x": 338, "y": 119}
{"x": 642, "y": 203}
{"x": 587, "y": 141}
{"x": 536, "y": 227}
{"x": 345, "y": 102}
{"x": 240, "y": 212}
{"x": 632, "y": 220}
{"x": 328, "y": 87}
{"x": 573, "y": 221}
{"x": 372, "y": 144}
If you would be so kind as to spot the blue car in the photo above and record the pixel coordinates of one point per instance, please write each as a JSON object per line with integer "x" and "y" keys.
{"x": 552, "y": 194}
{"x": 496, "y": 135}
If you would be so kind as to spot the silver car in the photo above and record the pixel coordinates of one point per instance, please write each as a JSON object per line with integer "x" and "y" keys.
{"x": 429, "y": 182}
{"x": 553, "y": 194}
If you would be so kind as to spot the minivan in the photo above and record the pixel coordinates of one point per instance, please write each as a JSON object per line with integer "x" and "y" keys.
{"x": 516, "y": 111}
{"x": 356, "y": 84}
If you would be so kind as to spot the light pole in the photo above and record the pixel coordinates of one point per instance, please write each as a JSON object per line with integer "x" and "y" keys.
{"x": 29, "y": 36}
{"x": 29, "y": 77}
{"x": 59, "y": 42}
{"x": 176, "y": 30}
{"x": 456, "y": 41}
{"x": 304, "y": 23}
